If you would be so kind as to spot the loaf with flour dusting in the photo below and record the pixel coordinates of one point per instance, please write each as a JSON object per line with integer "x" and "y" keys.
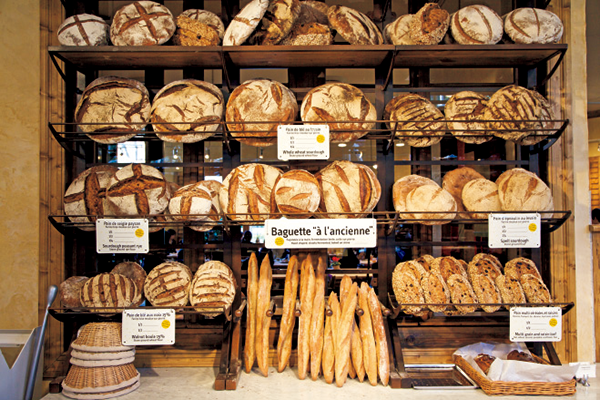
{"x": 420, "y": 123}
{"x": 213, "y": 288}
{"x": 142, "y": 23}
{"x": 297, "y": 192}
{"x": 476, "y": 24}
{"x": 354, "y": 26}
{"x": 533, "y": 25}
{"x": 83, "y": 30}
{"x": 463, "y": 111}
{"x": 245, "y": 22}
{"x": 168, "y": 285}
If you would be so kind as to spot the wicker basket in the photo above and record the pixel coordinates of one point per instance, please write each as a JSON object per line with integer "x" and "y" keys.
{"x": 507, "y": 388}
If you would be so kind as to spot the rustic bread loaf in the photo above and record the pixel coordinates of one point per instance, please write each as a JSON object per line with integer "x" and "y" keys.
{"x": 108, "y": 290}
{"x": 192, "y": 105}
{"x": 454, "y": 181}
{"x": 206, "y": 17}
{"x": 194, "y": 198}
{"x": 213, "y": 288}
{"x": 476, "y": 24}
{"x": 403, "y": 186}
{"x": 214, "y": 188}
{"x": 429, "y": 24}
{"x": 245, "y": 22}
{"x": 412, "y": 267}
{"x": 448, "y": 266}
{"x": 354, "y": 26}
{"x": 261, "y": 100}
{"x": 520, "y": 266}
{"x": 435, "y": 291}
{"x": 277, "y": 22}
{"x": 545, "y": 123}
{"x": 535, "y": 289}
{"x": 191, "y": 32}
{"x": 138, "y": 189}
{"x": 511, "y": 290}
{"x": 142, "y": 23}
{"x": 297, "y": 192}
{"x": 407, "y": 290}
{"x": 525, "y": 192}
{"x": 340, "y": 102}
{"x": 83, "y": 30}
{"x": 168, "y": 285}
{"x": 468, "y": 107}
{"x": 120, "y": 106}
{"x": 461, "y": 292}
{"x": 500, "y": 181}
{"x": 487, "y": 293}
{"x": 484, "y": 267}
{"x": 489, "y": 258}
{"x": 481, "y": 195}
{"x": 247, "y": 190}
{"x": 136, "y": 273}
{"x": 397, "y": 32}
{"x": 417, "y": 117}
{"x": 312, "y": 11}
{"x": 484, "y": 361}
{"x": 70, "y": 291}
{"x": 436, "y": 205}
{"x": 426, "y": 261}
{"x": 309, "y": 34}
{"x": 533, "y": 25}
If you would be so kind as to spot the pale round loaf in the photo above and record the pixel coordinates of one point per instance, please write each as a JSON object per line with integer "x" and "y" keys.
{"x": 340, "y": 102}
{"x": 403, "y": 186}
{"x": 138, "y": 189}
{"x": 213, "y": 288}
{"x": 397, "y": 32}
{"x": 546, "y": 115}
{"x": 85, "y": 198}
{"x": 312, "y": 11}
{"x": 476, "y": 24}
{"x": 277, "y": 22}
{"x": 190, "y": 103}
{"x": 120, "y": 106}
{"x": 108, "y": 290}
{"x": 245, "y": 22}
{"x": 247, "y": 190}
{"x": 70, "y": 291}
{"x": 206, "y": 17}
{"x": 142, "y": 23}
{"x": 309, "y": 34}
{"x": 533, "y": 25}
{"x": 347, "y": 188}
{"x": 429, "y": 25}
{"x": 430, "y": 199}
{"x": 259, "y": 100}
{"x": 481, "y": 195}
{"x": 423, "y": 120}
{"x": 354, "y": 26}
{"x": 510, "y": 172}
{"x": 297, "y": 192}
{"x": 194, "y": 198}
{"x": 214, "y": 214}
{"x": 191, "y": 32}
{"x": 168, "y": 285}
{"x": 136, "y": 273}
{"x": 469, "y": 107}
{"x": 454, "y": 181}
{"x": 83, "y": 30}
{"x": 524, "y": 192}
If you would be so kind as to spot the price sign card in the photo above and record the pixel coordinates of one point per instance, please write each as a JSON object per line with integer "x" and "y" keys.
{"x": 514, "y": 230}
{"x": 535, "y": 324}
{"x": 148, "y": 327}
{"x": 122, "y": 236}
{"x": 320, "y": 233}
{"x": 303, "y": 142}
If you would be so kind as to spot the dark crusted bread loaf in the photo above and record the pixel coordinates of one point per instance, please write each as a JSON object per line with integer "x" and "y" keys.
{"x": 142, "y": 23}
{"x": 168, "y": 285}
{"x": 429, "y": 24}
{"x": 419, "y": 121}
{"x": 354, "y": 26}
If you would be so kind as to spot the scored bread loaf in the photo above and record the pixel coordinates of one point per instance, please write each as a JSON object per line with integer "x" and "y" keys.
{"x": 214, "y": 214}
{"x": 251, "y": 298}
{"x": 191, "y": 32}
{"x": 297, "y": 192}
{"x": 263, "y": 321}
{"x": 481, "y": 195}
{"x": 454, "y": 181}
{"x": 366, "y": 335}
{"x": 533, "y": 25}
{"x": 344, "y": 336}
{"x": 330, "y": 338}
{"x": 277, "y": 22}
{"x": 117, "y": 107}
{"x": 524, "y": 192}
{"x": 419, "y": 122}
{"x": 213, "y": 288}
{"x": 108, "y": 290}
{"x": 545, "y": 124}
{"x": 142, "y": 23}
{"x": 403, "y": 186}
{"x": 168, "y": 285}
{"x": 312, "y": 11}
{"x": 83, "y": 30}
{"x": 259, "y": 100}
{"x": 397, "y": 32}
{"x": 429, "y": 25}
{"x": 521, "y": 266}
{"x": 476, "y": 24}
{"x": 500, "y": 181}
{"x": 288, "y": 317}
{"x": 137, "y": 274}
{"x": 463, "y": 111}
{"x": 245, "y": 22}
{"x": 206, "y": 17}
{"x": 70, "y": 291}
{"x": 437, "y": 205}
{"x": 309, "y": 34}
{"x": 340, "y": 102}
{"x": 194, "y": 198}
{"x": 354, "y": 26}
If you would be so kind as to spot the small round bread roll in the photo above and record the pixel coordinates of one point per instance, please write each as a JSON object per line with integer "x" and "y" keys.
{"x": 533, "y": 25}
{"x": 312, "y": 11}
{"x": 83, "y": 30}
{"x": 168, "y": 285}
{"x": 481, "y": 195}
{"x": 142, "y": 23}
{"x": 191, "y": 32}
{"x": 407, "y": 290}
{"x": 454, "y": 181}
{"x": 468, "y": 107}
{"x": 213, "y": 288}
{"x": 477, "y": 24}
{"x": 461, "y": 292}
{"x": 397, "y": 32}
{"x": 486, "y": 291}
{"x": 437, "y": 206}
{"x": 206, "y": 17}
{"x": 340, "y": 102}
{"x": 70, "y": 291}
{"x": 535, "y": 289}
{"x": 354, "y": 26}
{"x": 259, "y": 100}
{"x": 297, "y": 192}
{"x": 520, "y": 266}
{"x": 136, "y": 273}
{"x": 192, "y": 105}
{"x": 435, "y": 291}
{"x": 277, "y": 22}
{"x": 245, "y": 22}
{"x": 214, "y": 188}
{"x": 525, "y": 192}
{"x": 403, "y": 186}
{"x": 194, "y": 198}
{"x": 423, "y": 126}
{"x": 429, "y": 25}
{"x": 309, "y": 34}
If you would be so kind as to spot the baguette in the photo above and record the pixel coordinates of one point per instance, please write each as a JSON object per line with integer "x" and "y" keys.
{"x": 344, "y": 337}
{"x": 251, "y": 297}
{"x": 328, "y": 359}
{"x": 383, "y": 360}
{"x": 335, "y": 320}
{"x": 356, "y": 353}
{"x": 366, "y": 333}
{"x": 288, "y": 319}
{"x": 307, "y": 292}
{"x": 316, "y": 322}
{"x": 345, "y": 286}
{"x": 263, "y": 322}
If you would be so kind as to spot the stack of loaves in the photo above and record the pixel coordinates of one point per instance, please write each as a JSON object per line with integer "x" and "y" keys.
{"x": 101, "y": 367}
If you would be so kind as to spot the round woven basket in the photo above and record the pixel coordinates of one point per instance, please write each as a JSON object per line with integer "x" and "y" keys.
{"x": 100, "y": 379}
{"x": 100, "y": 337}
{"x": 101, "y": 395}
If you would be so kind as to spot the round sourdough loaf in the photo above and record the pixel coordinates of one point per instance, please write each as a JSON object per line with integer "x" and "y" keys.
{"x": 340, "y": 102}
{"x": 429, "y": 24}
{"x": 312, "y": 11}
{"x": 214, "y": 214}
{"x": 309, "y": 34}
{"x": 397, "y": 32}
{"x": 245, "y": 22}
{"x": 247, "y": 190}
{"x": 194, "y": 198}
{"x": 510, "y": 172}
{"x": 191, "y": 32}
{"x": 545, "y": 123}
{"x": 477, "y": 24}
{"x": 168, "y": 285}
{"x": 138, "y": 189}
{"x": 120, "y": 107}
{"x": 524, "y": 192}
{"x": 70, "y": 291}
{"x": 213, "y": 288}
{"x": 468, "y": 107}
{"x": 434, "y": 203}
{"x": 354, "y": 26}
{"x": 142, "y": 23}
{"x": 347, "y": 188}
{"x": 83, "y": 30}
{"x": 420, "y": 123}
{"x": 297, "y": 192}
{"x": 85, "y": 198}
{"x": 136, "y": 273}
{"x": 403, "y": 186}
{"x": 193, "y": 105}
{"x": 481, "y": 195}
{"x": 454, "y": 181}
{"x": 108, "y": 290}
{"x": 277, "y": 22}
{"x": 533, "y": 25}
{"x": 259, "y": 100}
{"x": 206, "y": 17}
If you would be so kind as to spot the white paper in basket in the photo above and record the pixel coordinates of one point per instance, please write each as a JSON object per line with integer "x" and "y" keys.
{"x": 514, "y": 371}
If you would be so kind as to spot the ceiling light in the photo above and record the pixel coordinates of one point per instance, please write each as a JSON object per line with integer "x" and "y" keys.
{"x": 342, "y": 145}
{"x": 399, "y": 144}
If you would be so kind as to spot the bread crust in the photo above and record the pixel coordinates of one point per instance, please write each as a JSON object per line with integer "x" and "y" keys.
{"x": 263, "y": 321}
{"x": 288, "y": 317}
{"x": 251, "y": 300}
{"x": 307, "y": 294}
{"x": 535, "y": 289}
{"x": 297, "y": 192}
{"x": 464, "y": 110}
{"x": 206, "y": 17}
{"x": 137, "y": 274}
{"x": 142, "y": 23}
{"x": 277, "y": 22}
{"x": 403, "y": 186}
{"x": 510, "y": 290}
{"x": 330, "y": 339}
{"x": 367, "y": 336}
{"x": 381, "y": 342}
{"x": 355, "y": 27}
{"x": 317, "y": 320}
{"x": 344, "y": 336}
{"x": 429, "y": 24}
{"x": 70, "y": 291}
{"x": 213, "y": 288}
{"x": 168, "y": 285}
{"x": 476, "y": 24}
{"x": 244, "y": 23}
{"x": 435, "y": 291}
{"x": 454, "y": 181}
{"x": 83, "y": 30}
{"x": 481, "y": 195}
{"x": 486, "y": 291}
{"x": 413, "y": 115}
{"x": 407, "y": 289}
{"x": 430, "y": 200}
{"x": 533, "y": 25}
{"x": 397, "y": 32}
{"x": 461, "y": 292}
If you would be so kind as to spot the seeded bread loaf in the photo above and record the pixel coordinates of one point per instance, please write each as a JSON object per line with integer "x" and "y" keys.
{"x": 448, "y": 266}
{"x": 487, "y": 292}
{"x": 435, "y": 291}
{"x": 511, "y": 290}
{"x": 191, "y": 32}
{"x": 483, "y": 267}
{"x": 206, "y": 17}
{"x": 429, "y": 25}
{"x": 168, "y": 285}
{"x": 535, "y": 289}
{"x": 142, "y": 23}
{"x": 407, "y": 290}
{"x": 521, "y": 266}
{"x": 83, "y": 30}
{"x": 461, "y": 292}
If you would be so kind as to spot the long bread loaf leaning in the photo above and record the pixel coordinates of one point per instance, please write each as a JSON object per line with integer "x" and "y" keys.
{"x": 263, "y": 321}
{"x": 307, "y": 293}
{"x": 345, "y": 286}
{"x": 251, "y": 297}
{"x": 367, "y": 336}
{"x": 383, "y": 360}
{"x": 344, "y": 337}
{"x": 288, "y": 319}
{"x": 316, "y": 322}
{"x": 330, "y": 339}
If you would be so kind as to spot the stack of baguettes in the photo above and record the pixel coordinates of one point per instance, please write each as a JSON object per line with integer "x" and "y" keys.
{"x": 453, "y": 286}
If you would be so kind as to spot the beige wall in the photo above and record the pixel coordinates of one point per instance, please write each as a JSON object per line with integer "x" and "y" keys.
{"x": 19, "y": 163}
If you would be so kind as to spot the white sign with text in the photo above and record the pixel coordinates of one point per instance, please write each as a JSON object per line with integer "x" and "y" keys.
{"x": 148, "y": 327}
{"x": 535, "y": 324}
{"x": 303, "y": 142}
{"x": 514, "y": 230}
{"x": 122, "y": 236}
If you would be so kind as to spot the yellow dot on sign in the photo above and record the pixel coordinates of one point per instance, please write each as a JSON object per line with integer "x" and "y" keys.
{"x": 320, "y": 138}
{"x": 553, "y": 322}
{"x": 139, "y": 233}
{"x": 279, "y": 241}
{"x": 532, "y": 227}
{"x": 165, "y": 324}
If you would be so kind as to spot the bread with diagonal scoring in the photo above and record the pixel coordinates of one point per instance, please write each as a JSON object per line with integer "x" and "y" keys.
{"x": 168, "y": 285}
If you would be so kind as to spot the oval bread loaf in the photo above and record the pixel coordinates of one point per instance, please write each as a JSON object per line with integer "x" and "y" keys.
{"x": 206, "y": 17}
{"x": 535, "y": 289}
{"x": 312, "y": 11}
{"x": 354, "y": 26}
{"x": 416, "y": 117}
{"x": 70, "y": 291}
{"x": 397, "y": 32}
{"x": 476, "y": 24}
{"x": 448, "y": 266}
{"x": 436, "y": 205}
{"x": 464, "y": 110}
{"x": 213, "y": 288}
{"x": 403, "y": 186}
{"x": 511, "y": 290}
{"x": 407, "y": 290}
{"x": 83, "y": 30}
{"x": 520, "y": 266}
{"x": 435, "y": 291}
{"x": 545, "y": 124}
{"x": 461, "y": 292}
{"x": 533, "y": 25}
{"x": 489, "y": 258}
{"x": 244, "y": 23}
{"x": 481, "y": 195}
{"x": 412, "y": 267}
{"x": 108, "y": 290}
{"x": 483, "y": 267}
{"x": 486, "y": 291}
{"x": 309, "y": 34}
{"x": 168, "y": 285}
{"x": 297, "y": 192}
{"x": 525, "y": 192}
{"x": 429, "y": 24}
{"x": 142, "y": 23}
